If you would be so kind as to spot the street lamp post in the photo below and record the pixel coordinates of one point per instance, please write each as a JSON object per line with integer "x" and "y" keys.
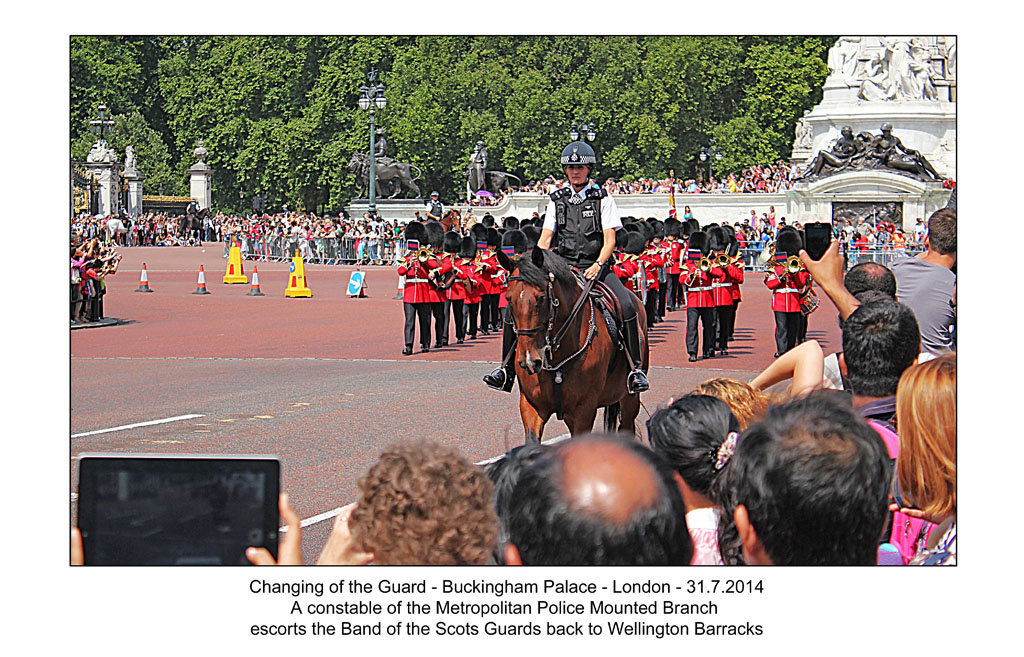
{"x": 710, "y": 154}
{"x": 371, "y": 98}
{"x": 102, "y": 124}
{"x": 582, "y": 130}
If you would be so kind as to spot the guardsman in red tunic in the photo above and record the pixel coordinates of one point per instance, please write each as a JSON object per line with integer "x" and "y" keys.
{"x": 492, "y": 288}
{"x": 652, "y": 260}
{"x": 722, "y": 290}
{"x": 673, "y": 229}
{"x": 785, "y": 280}
{"x": 416, "y": 295}
{"x": 513, "y": 246}
{"x": 737, "y": 296}
{"x": 474, "y": 283}
{"x": 435, "y": 242}
{"x": 455, "y": 294}
{"x": 700, "y": 301}
{"x": 626, "y": 264}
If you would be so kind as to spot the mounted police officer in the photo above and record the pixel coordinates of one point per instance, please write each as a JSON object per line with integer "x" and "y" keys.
{"x": 580, "y": 224}
{"x": 434, "y": 208}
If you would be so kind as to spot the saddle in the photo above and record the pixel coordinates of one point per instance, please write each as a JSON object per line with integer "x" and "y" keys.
{"x": 608, "y": 304}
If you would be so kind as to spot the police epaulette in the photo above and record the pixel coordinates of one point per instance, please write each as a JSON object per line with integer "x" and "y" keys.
{"x": 596, "y": 192}
{"x": 561, "y": 192}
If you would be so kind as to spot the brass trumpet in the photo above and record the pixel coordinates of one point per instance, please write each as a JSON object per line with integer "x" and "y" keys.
{"x": 423, "y": 254}
{"x": 705, "y": 264}
{"x": 723, "y": 260}
{"x": 794, "y": 264}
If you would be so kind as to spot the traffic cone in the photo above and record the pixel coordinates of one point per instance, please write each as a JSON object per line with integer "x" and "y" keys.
{"x": 401, "y": 289}
{"x": 297, "y": 278}
{"x": 202, "y": 282}
{"x": 254, "y": 291}
{"x": 143, "y": 281}
{"x": 235, "y": 272}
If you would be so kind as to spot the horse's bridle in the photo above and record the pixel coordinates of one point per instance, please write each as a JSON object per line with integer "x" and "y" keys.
{"x": 553, "y": 342}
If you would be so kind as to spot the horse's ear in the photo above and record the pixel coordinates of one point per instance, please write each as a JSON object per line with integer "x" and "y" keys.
{"x": 505, "y": 261}
{"x": 537, "y": 256}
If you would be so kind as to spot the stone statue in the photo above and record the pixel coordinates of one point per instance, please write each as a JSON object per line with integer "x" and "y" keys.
{"x": 843, "y": 154}
{"x": 876, "y": 84}
{"x": 804, "y": 132}
{"x": 476, "y": 172}
{"x": 888, "y": 152}
{"x": 129, "y": 158}
{"x": 200, "y": 153}
{"x": 380, "y": 149}
{"x": 843, "y": 58}
{"x": 100, "y": 152}
{"x": 951, "y": 58}
{"x": 391, "y": 178}
{"x": 910, "y": 71}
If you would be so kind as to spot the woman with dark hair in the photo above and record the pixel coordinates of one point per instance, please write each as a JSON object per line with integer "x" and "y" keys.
{"x": 696, "y": 435}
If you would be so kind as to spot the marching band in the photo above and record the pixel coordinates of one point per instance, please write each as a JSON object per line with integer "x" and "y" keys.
{"x": 670, "y": 265}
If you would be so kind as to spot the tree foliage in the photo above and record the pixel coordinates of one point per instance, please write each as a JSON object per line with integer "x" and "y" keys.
{"x": 279, "y": 114}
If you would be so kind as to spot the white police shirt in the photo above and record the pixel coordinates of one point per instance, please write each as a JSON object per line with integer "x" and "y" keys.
{"x": 609, "y": 211}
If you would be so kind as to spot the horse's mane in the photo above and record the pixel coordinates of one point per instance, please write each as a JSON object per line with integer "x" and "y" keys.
{"x": 553, "y": 263}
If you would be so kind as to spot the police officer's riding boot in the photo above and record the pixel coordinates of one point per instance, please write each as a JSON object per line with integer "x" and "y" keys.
{"x": 501, "y": 379}
{"x": 636, "y": 382}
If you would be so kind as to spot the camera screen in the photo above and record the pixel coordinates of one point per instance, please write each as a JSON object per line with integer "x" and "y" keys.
{"x": 141, "y": 516}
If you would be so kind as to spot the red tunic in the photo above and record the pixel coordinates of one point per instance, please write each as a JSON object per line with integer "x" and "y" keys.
{"x": 490, "y": 268}
{"x": 652, "y": 259}
{"x": 417, "y": 288}
{"x": 698, "y": 285}
{"x": 723, "y": 289}
{"x": 785, "y": 288}
{"x": 735, "y": 289}
{"x": 673, "y": 256}
{"x": 458, "y": 289}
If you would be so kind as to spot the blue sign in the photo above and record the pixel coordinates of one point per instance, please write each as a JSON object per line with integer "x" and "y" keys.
{"x": 355, "y": 283}
{"x": 293, "y": 266}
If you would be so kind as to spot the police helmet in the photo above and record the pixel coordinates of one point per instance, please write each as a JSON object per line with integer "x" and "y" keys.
{"x": 578, "y": 152}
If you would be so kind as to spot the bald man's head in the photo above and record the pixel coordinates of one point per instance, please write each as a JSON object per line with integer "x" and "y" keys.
{"x": 599, "y": 500}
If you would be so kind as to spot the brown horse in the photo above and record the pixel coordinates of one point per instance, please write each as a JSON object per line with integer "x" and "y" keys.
{"x": 567, "y": 362}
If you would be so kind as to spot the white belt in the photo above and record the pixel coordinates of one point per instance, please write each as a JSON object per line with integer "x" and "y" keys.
{"x": 416, "y": 280}
{"x": 721, "y": 284}
{"x": 699, "y": 289}
{"x": 786, "y": 289}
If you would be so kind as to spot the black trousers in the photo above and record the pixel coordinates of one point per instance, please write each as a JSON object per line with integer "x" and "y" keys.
{"x": 735, "y": 312}
{"x": 485, "y": 313}
{"x": 412, "y": 311}
{"x": 440, "y": 325}
{"x": 651, "y": 307}
{"x": 446, "y": 318}
{"x": 672, "y": 290}
{"x": 457, "y": 308}
{"x": 706, "y": 316}
{"x": 662, "y": 298}
{"x": 493, "y": 316}
{"x": 787, "y": 328}
{"x": 726, "y": 318}
{"x": 472, "y": 314}
{"x": 801, "y": 336}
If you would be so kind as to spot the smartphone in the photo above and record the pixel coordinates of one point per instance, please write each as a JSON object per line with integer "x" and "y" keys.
{"x": 818, "y": 236}
{"x": 157, "y": 509}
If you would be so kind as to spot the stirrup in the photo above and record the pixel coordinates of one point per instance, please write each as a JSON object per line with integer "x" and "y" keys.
{"x": 636, "y": 382}
{"x": 499, "y": 380}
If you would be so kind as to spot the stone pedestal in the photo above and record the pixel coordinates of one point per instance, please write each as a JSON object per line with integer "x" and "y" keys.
{"x": 134, "y": 179}
{"x": 108, "y": 178}
{"x": 201, "y": 184}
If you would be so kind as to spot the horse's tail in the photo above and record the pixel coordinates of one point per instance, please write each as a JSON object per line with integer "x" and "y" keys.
{"x": 512, "y": 175}
{"x": 419, "y": 173}
{"x": 611, "y": 417}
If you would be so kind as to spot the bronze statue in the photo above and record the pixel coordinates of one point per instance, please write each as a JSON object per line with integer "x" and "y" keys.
{"x": 392, "y": 176}
{"x": 870, "y": 152}
{"x": 478, "y": 177}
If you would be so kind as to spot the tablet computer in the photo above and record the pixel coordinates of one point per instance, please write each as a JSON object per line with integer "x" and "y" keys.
{"x": 159, "y": 509}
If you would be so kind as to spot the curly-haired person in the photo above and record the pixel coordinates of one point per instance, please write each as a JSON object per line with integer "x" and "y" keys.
{"x": 420, "y": 504}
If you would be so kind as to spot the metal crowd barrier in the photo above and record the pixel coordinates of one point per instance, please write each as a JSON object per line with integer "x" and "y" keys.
{"x": 320, "y": 250}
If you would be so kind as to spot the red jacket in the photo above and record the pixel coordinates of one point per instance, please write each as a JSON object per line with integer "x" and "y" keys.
{"x": 786, "y": 288}
{"x": 490, "y": 268}
{"x": 458, "y": 289}
{"x": 625, "y": 270}
{"x": 723, "y": 290}
{"x": 735, "y": 289}
{"x": 673, "y": 256}
{"x": 698, "y": 285}
{"x": 652, "y": 259}
{"x": 417, "y": 287}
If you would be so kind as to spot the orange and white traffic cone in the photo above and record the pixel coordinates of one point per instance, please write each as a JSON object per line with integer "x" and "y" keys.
{"x": 144, "y": 281}
{"x": 254, "y": 291}
{"x": 202, "y": 282}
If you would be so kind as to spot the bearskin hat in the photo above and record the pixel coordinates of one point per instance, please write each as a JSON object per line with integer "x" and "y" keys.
{"x": 532, "y": 234}
{"x": 488, "y": 221}
{"x": 673, "y": 228}
{"x": 516, "y": 239}
{"x": 452, "y": 241}
{"x": 435, "y": 234}
{"x": 699, "y": 240}
{"x": 414, "y": 230}
{"x": 635, "y": 243}
{"x": 493, "y": 238}
{"x": 694, "y": 225}
{"x": 511, "y": 223}
{"x": 657, "y": 228}
{"x": 788, "y": 241}
{"x": 478, "y": 232}
{"x": 717, "y": 239}
{"x": 468, "y": 248}
{"x": 620, "y": 238}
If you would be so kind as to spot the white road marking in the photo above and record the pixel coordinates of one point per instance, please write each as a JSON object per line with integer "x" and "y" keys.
{"x": 165, "y": 420}
{"x": 327, "y": 515}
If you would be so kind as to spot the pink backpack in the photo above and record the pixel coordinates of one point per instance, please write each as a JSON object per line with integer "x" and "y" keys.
{"x": 907, "y": 532}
